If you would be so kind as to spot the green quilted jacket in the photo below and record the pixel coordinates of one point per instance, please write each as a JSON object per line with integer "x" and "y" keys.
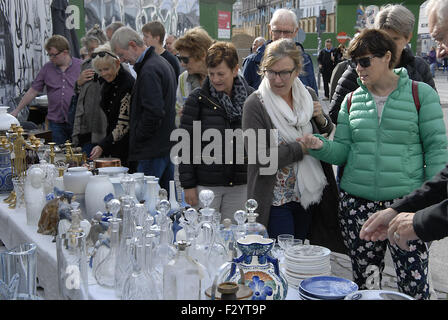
{"x": 388, "y": 160}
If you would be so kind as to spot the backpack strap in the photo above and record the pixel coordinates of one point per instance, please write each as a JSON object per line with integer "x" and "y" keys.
{"x": 415, "y": 95}
{"x": 349, "y": 101}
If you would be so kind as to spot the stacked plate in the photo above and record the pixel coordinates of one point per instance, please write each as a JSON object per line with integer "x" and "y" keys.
{"x": 305, "y": 261}
{"x": 377, "y": 295}
{"x": 326, "y": 288}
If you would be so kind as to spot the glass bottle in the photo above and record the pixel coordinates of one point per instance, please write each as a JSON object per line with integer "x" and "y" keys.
{"x": 138, "y": 285}
{"x": 240, "y": 230}
{"x": 252, "y": 226}
{"x": 150, "y": 265}
{"x": 173, "y": 201}
{"x": 72, "y": 260}
{"x": 105, "y": 272}
{"x": 151, "y": 197}
{"x": 182, "y": 276}
{"x": 139, "y": 189}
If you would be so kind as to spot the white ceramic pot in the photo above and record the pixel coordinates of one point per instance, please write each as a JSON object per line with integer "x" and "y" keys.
{"x": 6, "y": 119}
{"x": 76, "y": 179}
{"x": 97, "y": 188}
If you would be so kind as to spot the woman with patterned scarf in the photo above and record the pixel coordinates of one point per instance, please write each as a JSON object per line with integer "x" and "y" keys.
{"x": 217, "y": 104}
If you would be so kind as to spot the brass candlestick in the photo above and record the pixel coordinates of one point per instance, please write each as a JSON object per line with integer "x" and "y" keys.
{"x": 52, "y": 153}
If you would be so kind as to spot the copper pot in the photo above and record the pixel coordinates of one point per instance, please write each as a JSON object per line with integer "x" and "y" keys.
{"x": 107, "y": 162}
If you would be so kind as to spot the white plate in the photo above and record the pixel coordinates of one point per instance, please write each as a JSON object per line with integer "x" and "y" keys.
{"x": 310, "y": 272}
{"x": 377, "y": 295}
{"x": 307, "y": 252}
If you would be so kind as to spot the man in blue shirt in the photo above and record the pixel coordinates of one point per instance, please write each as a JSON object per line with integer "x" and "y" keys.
{"x": 283, "y": 25}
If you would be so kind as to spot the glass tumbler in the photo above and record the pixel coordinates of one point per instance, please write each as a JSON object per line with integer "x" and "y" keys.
{"x": 21, "y": 261}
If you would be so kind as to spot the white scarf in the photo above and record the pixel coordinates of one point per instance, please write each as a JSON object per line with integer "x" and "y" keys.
{"x": 292, "y": 124}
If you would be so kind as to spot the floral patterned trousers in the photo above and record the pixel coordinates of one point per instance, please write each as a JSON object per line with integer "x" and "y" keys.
{"x": 367, "y": 257}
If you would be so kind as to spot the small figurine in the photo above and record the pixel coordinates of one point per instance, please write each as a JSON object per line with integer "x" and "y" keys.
{"x": 54, "y": 211}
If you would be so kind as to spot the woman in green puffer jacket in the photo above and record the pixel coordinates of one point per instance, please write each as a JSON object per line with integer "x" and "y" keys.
{"x": 389, "y": 147}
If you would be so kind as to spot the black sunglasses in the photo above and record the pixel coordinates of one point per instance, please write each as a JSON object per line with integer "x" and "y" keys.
{"x": 363, "y": 62}
{"x": 185, "y": 60}
{"x": 102, "y": 54}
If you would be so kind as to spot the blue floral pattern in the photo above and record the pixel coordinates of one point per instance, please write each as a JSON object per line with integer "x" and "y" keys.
{"x": 260, "y": 291}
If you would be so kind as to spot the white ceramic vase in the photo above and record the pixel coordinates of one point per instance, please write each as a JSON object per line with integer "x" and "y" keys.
{"x": 97, "y": 188}
{"x": 76, "y": 179}
{"x": 6, "y": 119}
{"x": 34, "y": 193}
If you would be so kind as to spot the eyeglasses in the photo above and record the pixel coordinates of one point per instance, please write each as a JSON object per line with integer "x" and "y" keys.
{"x": 363, "y": 62}
{"x": 284, "y": 75}
{"x": 102, "y": 54}
{"x": 279, "y": 32}
{"x": 185, "y": 60}
{"x": 54, "y": 55}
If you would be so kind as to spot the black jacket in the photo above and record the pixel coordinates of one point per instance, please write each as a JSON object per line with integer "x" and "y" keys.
{"x": 115, "y": 102}
{"x": 417, "y": 68}
{"x": 200, "y": 106}
{"x": 152, "y": 108}
{"x": 430, "y": 204}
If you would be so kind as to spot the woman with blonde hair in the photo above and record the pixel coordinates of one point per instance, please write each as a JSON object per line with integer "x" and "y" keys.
{"x": 299, "y": 196}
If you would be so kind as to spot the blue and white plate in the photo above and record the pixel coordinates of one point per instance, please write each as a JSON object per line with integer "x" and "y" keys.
{"x": 327, "y": 287}
{"x": 377, "y": 295}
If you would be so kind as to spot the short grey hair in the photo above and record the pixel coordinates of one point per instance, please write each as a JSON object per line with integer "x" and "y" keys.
{"x": 114, "y": 26}
{"x": 122, "y": 36}
{"x": 441, "y": 7}
{"x": 285, "y": 15}
{"x": 260, "y": 39}
{"x": 397, "y": 18}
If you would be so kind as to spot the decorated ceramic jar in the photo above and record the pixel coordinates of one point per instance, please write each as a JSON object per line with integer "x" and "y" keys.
{"x": 6, "y": 184}
{"x": 261, "y": 270}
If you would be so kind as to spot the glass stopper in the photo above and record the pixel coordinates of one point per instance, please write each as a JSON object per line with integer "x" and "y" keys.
{"x": 191, "y": 215}
{"x": 114, "y": 206}
{"x": 206, "y": 197}
{"x": 251, "y": 205}
{"x": 240, "y": 217}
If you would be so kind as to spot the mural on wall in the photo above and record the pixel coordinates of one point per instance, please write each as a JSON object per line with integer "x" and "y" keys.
{"x": 176, "y": 15}
{"x": 25, "y": 25}
{"x": 365, "y": 16}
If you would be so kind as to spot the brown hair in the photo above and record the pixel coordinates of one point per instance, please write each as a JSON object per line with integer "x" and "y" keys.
{"x": 195, "y": 41}
{"x": 222, "y": 51}
{"x": 373, "y": 41}
{"x": 279, "y": 49}
{"x": 58, "y": 42}
{"x": 155, "y": 28}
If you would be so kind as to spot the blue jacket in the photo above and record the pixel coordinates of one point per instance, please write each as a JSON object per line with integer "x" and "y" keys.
{"x": 252, "y": 62}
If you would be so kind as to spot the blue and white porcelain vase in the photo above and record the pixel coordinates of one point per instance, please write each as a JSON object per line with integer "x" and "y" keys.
{"x": 261, "y": 270}
{"x": 5, "y": 171}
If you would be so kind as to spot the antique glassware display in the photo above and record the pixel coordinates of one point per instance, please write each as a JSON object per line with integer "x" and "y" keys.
{"x": 19, "y": 193}
{"x": 19, "y": 264}
{"x": 173, "y": 199}
{"x": 285, "y": 241}
{"x": 72, "y": 261}
{"x": 252, "y": 226}
{"x": 183, "y": 276}
{"x": 138, "y": 284}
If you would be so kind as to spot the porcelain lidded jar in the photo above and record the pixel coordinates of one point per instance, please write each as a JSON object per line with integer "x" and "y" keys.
{"x": 261, "y": 269}
{"x": 76, "y": 179}
{"x": 97, "y": 188}
{"x": 6, "y": 119}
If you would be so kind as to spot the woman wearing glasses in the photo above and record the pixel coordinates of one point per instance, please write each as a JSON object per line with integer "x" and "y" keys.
{"x": 115, "y": 102}
{"x": 389, "y": 146}
{"x": 217, "y": 105}
{"x": 297, "y": 194}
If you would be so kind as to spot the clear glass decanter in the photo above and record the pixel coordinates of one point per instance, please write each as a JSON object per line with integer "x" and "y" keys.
{"x": 138, "y": 285}
{"x": 252, "y": 226}
{"x": 105, "y": 272}
{"x": 240, "y": 217}
{"x": 182, "y": 276}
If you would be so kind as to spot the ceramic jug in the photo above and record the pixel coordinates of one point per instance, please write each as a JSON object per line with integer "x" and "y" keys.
{"x": 262, "y": 272}
{"x": 97, "y": 188}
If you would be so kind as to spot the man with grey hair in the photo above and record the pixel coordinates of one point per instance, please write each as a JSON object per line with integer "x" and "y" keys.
{"x": 114, "y": 26}
{"x": 282, "y": 25}
{"x": 152, "y": 106}
{"x": 258, "y": 42}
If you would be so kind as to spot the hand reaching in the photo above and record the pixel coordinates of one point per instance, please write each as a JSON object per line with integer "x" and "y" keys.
{"x": 311, "y": 142}
{"x": 375, "y": 228}
{"x": 401, "y": 230}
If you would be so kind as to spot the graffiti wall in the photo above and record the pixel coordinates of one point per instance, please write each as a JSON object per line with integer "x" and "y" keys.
{"x": 176, "y": 15}
{"x": 25, "y": 25}
{"x": 365, "y": 16}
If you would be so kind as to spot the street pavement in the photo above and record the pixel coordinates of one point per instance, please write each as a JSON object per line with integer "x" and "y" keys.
{"x": 438, "y": 250}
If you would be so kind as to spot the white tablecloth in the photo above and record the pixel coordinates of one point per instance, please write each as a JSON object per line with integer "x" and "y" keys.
{"x": 14, "y": 231}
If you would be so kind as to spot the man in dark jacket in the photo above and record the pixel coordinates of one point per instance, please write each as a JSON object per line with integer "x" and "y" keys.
{"x": 152, "y": 106}
{"x": 326, "y": 65}
{"x": 283, "y": 25}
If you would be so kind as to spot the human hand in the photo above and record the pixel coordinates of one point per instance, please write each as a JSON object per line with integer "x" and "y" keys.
{"x": 15, "y": 112}
{"x": 375, "y": 228}
{"x": 401, "y": 230}
{"x": 311, "y": 142}
{"x": 191, "y": 196}
{"x": 442, "y": 51}
{"x": 318, "y": 113}
{"x": 96, "y": 153}
{"x": 85, "y": 76}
